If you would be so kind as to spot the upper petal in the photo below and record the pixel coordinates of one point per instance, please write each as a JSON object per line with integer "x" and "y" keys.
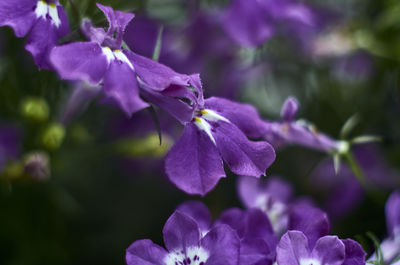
{"x": 223, "y": 246}
{"x": 193, "y": 164}
{"x": 80, "y": 61}
{"x": 199, "y": 212}
{"x": 145, "y": 252}
{"x": 110, "y": 15}
{"x": 392, "y": 211}
{"x": 244, "y": 116}
{"x": 355, "y": 255}
{"x": 154, "y": 74}
{"x": 313, "y": 222}
{"x": 18, "y": 14}
{"x": 121, "y": 85}
{"x": 244, "y": 157}
{"x": 180, "y": 232}
{"x": 292, "y": 247}
{"x": 289, "y": 109}
{"x": 329, "y": 250}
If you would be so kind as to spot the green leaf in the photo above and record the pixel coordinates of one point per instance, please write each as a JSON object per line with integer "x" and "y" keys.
{"x": 349, "y": 125}
{"x": 154, "y": 116}
{"x": 366, "y": 139}
{"x": 379, "y": 254}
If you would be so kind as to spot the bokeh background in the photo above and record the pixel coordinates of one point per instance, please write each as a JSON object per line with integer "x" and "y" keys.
{"x": 106, "y": 185}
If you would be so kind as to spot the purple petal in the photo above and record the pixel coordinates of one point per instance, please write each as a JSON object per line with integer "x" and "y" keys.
{"x": 154, "y": 74}
{"x": 251, "y": 189}
{"x": 193, "y": 164}
{"x": 80, "y": 61}
{"x": 329, "y": 250}
{"x": 289, "y": 109}
{"x": 180, "y": 232}
{"x": 199, "y": 212}
{"x": 355, "y": 255}
{"x": 9, "y": 145}
{"x": 92, "y": 33}
{"x": 244, "y": 157}
{"x": 246, "y": 23}
{"x": 392, "y": 211}
{"x": 63, "y": 29}
{"x": 145, "y": 252}
{"x": 244, "y": 116}
{"x": 292, "y": 247}
{"x": 121, "y": 85}
{"x": 310, "y": 220}
{"x": 41, "y": 39}
{"x": 223, "y": 245}
{"x": 110, "y": 15}
{"x": 18, "y": 14}
{"x": 256, "y": 251}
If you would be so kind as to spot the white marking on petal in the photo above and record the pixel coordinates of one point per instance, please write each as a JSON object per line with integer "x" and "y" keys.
{"x": 53, "y": 12}
{"x": 108, "y": 53}
{"x": 122, "y": 57}
{"x": 194, "y": 256}
{"x": 309, "y": 262}
{"x": 41, "y": 9}
{"x": 204, "y": 126}
{"x": 211, "y": 115}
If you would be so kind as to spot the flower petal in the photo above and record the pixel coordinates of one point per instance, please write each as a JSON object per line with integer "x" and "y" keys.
{"x": 392, "y": 211}
{"x": 80, "y": 61}
{"x": 121, "y": 85}
{"x": 193, "y": 164}
{"x": 244, "y": 157}
{"x": 289, "y": 109}
{"x": 180, "y": 232}
{"x": 199, "y": 212}
{"x": 145, "y": 252}
{"x": 223, "y": 245}
{"x": 329, "y": 250}
{"x": 244, "y": 116}
{"x": 355, "y": 255}
{"x": 292, "y": 247}
{"x": 18, "y": 14}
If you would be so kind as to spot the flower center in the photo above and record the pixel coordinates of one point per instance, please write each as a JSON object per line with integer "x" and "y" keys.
{"x": 193, "y": 256}
{"x": 202, "y": 119}
{"x": 116, "y": 55}
{"x": 48, "y": 11}
{"x": 309, "y": 262}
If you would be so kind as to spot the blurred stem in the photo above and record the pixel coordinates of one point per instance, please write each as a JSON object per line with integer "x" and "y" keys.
{"x": 75, "y": 9}
{"x": 356, "y": 169}
{"x": 157, "y": 48}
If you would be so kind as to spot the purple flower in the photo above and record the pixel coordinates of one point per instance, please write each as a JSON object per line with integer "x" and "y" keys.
{"x": 101, "y": 60}
{"x": 257, "y": 239}
{"x": 272, "y": 197}
{"x": 391, "y": 245}
{"x": 290, "y": 131}
{"x": 44, "y": 21}
{"x": 185, "y": 245}
{"x": 252, "y": 22}
{"x": 218, "y": 132}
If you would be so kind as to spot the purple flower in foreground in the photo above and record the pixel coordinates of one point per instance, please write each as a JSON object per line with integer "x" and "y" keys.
{"x": 290, "y": 131}
{"x": 257, "y": 240}
{"x": 185, "y": 245}
{"x": 218, "y": 132}
{"x": 101, "y": 60}
{"x": 44, "y": 21}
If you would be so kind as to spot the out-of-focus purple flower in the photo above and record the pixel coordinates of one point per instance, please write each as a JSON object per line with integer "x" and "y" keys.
{"x": 218, "y": 132}
{"x": 391, "y": 245}
{"x": 291, "y": 131}
{"x": 252, "y": 22}
{"x": 9, "y": 145}
{"x": 272, "y": 197}
{"x": 101, "y": 60}
{"x": 185, "y": 245}
{"x": 257, "y": 239}
{"x": 343, "y": 191}
{"x": 357, "y": 66}
{"x": 45, "y": 21}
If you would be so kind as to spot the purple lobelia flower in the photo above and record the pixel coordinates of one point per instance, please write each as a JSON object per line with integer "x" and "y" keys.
{"x": 44, "y": 21}
{"x": 101, "y": 60}
{"x": 252, "y": 22}
{"x": 391, "y": 245}
{"x": 271, "y": 196}
{"x": 185, "y": 245}
{"x": 299, "y": 132}
{"x": 257, "y": 239}
{"x": 218, "y": 132}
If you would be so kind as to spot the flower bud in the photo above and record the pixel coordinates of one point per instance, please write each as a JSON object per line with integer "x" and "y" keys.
{"x": 35, "y": 109}
{"x": 37, "y": 166}
{"x": 53, "y": 136}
